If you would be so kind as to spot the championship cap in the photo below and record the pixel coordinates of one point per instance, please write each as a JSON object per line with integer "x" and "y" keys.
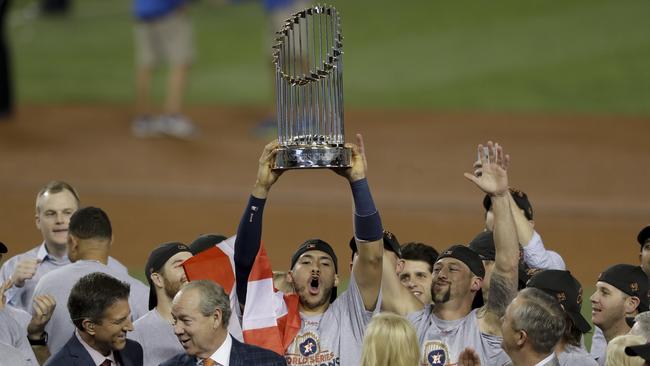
{"x": 483, "y": 245}
{"x": 643, "y": 236}
{"x": 205, "y": 241}
{"x": 629, "y": 279}
{"x": 566, "y": 289}
{"x": 390, "y": 243}
{"x": 521, "y": 199}
{"x": 3, "y": 248}
{"x": 317, "y": 244}
{"x": 157, "y": 259}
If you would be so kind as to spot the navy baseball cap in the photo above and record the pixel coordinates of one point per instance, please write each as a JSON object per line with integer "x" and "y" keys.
{"x": 317, "y": 244}
{"x": 3, "y": 248}
{"x": 521, "y": 199}
{"x": 630, "y": 280}
{"x": 483, "y": 245}
{"x": 643, "y": 236}
{"x": 566, "y": 289}
{"x": 205, "y": 241}
{"x": 157, "y": 259}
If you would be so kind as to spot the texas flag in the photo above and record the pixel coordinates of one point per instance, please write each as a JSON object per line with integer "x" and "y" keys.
{"x": 271, "y": 319}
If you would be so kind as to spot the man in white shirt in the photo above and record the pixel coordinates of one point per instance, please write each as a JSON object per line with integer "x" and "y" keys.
{"x": 201, "y": 312}
{"x": 532, "y": 326}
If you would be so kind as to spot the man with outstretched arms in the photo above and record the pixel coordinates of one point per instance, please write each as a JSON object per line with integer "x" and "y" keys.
{"x": 331, "y": 329}
{"x": 449, "y": 325}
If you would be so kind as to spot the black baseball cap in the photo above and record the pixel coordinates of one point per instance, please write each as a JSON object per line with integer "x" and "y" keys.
{"x": 157, "y": 259}
{"x": 643, "y": 236}
{"x": 483, "y": 245}
{"x": 205, "y": 241}
{"x": 521, "y": 199}
{"x": 390, "y": 243}
{"x": 566, "y": 289}
{"x": 317, "y": 244}
{"x": 642, "y": 350}
{"x": 629, "y": 279}
{"x": 3, "y": 248}
{"x": 467, "y": 256}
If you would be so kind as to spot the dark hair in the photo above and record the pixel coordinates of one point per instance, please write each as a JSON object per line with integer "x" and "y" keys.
{"x": 415, "y": 251}
{"x": 90, "y": 223}
{"x": 572, "y": 334}
{"x": 93, "y": 294}
{"x": 56, "y": 186}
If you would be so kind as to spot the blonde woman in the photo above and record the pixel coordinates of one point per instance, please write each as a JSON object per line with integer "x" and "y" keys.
{"x": 616, "y": 351}
{"x": 390, "y": 341}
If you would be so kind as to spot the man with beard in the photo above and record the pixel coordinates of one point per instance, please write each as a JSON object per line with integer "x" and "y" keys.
{"x": 449, "y": 325}
{"x": 331, "y": 329}
{"x": 55, "y": 203}
{"x": 99, "y": 308}
{"x": 164, "y": 271}
{"x": 89, "y": 243}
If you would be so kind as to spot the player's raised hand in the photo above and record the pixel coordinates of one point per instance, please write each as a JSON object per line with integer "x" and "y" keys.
{"x": 491, "y": 170}
{"x": 266, "y": 176}
{"x": 358, "y": 165}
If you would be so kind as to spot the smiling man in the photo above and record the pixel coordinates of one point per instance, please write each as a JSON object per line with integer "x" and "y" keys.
{"x": 201, "y": 312}
{"x": 621, "y": 291}
{"x": 99, "y": 308}
{"x": 417, "y": 273}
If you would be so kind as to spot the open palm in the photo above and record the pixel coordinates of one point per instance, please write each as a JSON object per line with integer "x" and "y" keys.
{"x": 491, "y": 174}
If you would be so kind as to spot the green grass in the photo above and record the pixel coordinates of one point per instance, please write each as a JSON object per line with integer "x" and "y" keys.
{"x": 574, "y": 56}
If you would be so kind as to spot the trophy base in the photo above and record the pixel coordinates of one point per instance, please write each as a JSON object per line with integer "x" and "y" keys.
{"x": 313, "y": 157}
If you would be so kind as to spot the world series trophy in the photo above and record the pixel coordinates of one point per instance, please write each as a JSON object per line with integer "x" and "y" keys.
{"x": 309, "y": 90}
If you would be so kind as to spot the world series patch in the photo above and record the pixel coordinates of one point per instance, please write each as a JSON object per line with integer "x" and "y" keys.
{"x": 434, "y": 353}
{"x": 306, "y": 351}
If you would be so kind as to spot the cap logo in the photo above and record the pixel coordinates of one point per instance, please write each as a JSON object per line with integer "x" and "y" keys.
{"x": 634, "y": 287}
{"x": 311, "y": 246}
{"x": 561, "y": 296}
{"x": 448, "y": 252}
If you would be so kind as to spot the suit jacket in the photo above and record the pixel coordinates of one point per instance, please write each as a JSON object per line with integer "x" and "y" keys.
{"x": 241, "y": 354}
{"x": 74, "y": 354}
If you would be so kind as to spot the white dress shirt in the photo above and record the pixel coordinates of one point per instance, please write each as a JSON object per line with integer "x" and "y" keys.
{"x": 222, "y": 355}
{"x": 97, "y": 357}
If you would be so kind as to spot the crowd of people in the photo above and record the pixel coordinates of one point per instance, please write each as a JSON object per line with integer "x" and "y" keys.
{"x": 502, "y": 299}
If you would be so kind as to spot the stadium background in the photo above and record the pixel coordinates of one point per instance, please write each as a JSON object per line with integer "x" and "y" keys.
{"x": 564, "y": 86}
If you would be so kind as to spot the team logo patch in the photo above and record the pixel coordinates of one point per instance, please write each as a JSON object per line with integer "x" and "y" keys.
{"x": 308, "y": 347}
{"x": 434, "y": 353}
{"x": 561, "y": 296}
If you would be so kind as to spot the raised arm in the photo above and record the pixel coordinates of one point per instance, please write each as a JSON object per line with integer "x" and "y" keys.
{"x": 249, "y": 232}
{"x": 368, "y": 231}
{"x": 492, "y": 178}
{"x": 396, "y": 297}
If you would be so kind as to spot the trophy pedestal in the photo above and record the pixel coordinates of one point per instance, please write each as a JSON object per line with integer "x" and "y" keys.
{"x": 317, "y": 156}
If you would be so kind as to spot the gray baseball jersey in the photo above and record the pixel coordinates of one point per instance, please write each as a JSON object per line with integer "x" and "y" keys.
{"x": 598, "y": 346}
{"x": 11, "y": 356}
{"x": 575, "y": 356}
{"x": 59, "y": 282}
{"x": 441, "y": 341}
{"x": 21, "y": 297}
{"x": 13, "y": 332}
{"x": 157, "y": 338}
{"x": 334, "y": 337}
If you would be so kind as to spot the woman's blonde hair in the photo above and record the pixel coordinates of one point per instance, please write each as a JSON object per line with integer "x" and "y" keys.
{"x": 390, "y": 341}
{"x": 616, "y": 351}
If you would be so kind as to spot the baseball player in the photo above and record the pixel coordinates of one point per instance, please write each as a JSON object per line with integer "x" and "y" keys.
{"x": 448, "y": 326}
{"x": 331, "y": 328}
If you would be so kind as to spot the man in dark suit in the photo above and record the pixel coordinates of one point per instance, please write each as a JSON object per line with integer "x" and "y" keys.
{"x": 99, "y": 308}
{"x": 201, "y": 311}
